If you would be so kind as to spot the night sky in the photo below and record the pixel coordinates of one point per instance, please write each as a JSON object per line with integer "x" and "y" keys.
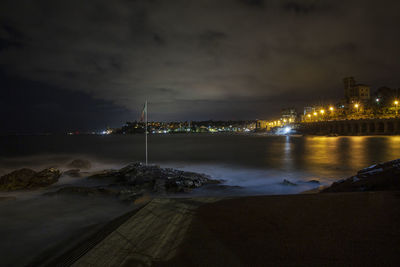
{"x": 83, "y": 65}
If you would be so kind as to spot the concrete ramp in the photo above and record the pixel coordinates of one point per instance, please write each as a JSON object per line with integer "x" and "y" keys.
{"x": 152, "y": 234}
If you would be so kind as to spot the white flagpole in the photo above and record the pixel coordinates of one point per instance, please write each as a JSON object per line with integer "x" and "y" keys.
{"x": 146, "y": 129}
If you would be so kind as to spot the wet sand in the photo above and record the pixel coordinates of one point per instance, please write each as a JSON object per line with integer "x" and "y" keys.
{"x": 333, "y": 229}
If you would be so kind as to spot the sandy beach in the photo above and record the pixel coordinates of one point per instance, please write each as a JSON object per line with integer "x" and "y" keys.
{"x": 340, "y": 229}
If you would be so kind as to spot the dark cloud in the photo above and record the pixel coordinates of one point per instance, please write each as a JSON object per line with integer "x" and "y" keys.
{"x": 211, "y": 35}
{"x": 299, "y": 7}
{"x": 10, "y": 37}
{"x": 345, "y": 48}
{"x": 258, "y": 3}
{"x": 199, "y": 59}
{"x": 158, "y": 39}
{"x": 36, "y": 107}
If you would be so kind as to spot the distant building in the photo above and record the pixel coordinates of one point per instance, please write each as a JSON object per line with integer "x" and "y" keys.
{"x": 385, "y": 96}
{"x": 289, "y": 115}
{"x": 308, "y": 110}
{"x": 355, "y": 92}
{"x": 262, "y": 124}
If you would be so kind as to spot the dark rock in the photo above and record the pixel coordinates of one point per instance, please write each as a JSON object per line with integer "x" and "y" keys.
{"x": 378, "y": 177}
{"x": 45, "y": 178}
{"x": 18, "y": 179}
{"x": 29, "y": 179}
{"x": 137, "y": 179}
{"x": 287, "y": 182}
{"x": 80, "y": 164}
{"x": 154, "y": 179}
{"x": 313, "y": 182}
{"x": 73, "y": 173}
{"x": 105, "y": 174}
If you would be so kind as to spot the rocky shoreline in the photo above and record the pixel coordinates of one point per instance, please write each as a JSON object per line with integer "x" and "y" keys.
{"x": 128, "y": 183}
{"x": 378, "y": 177}
{"x": 137, "y": 179}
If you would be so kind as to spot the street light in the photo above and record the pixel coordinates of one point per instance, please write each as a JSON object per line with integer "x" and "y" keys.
{"x": 356, "y": 106}
{"x": 331, "y": 108}
{"x": 322, "y": 111}
{"x": 396, "y": 102}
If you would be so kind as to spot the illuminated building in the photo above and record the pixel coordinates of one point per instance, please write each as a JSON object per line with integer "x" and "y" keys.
{"x": 355, "y": 92}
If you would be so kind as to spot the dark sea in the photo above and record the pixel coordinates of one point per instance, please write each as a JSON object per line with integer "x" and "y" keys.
{"x": 258, "y": 163}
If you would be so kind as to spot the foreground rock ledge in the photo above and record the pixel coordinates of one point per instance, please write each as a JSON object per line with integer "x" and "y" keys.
{"x": 379, "y": 177}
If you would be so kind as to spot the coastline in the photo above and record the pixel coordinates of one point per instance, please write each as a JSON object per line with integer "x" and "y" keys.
{"x": 313, "y": 228}
{"x": 200, "y": 221}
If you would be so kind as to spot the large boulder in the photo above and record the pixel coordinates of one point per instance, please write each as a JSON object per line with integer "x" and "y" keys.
{"x": 29, "y": 179}
{"x": 378, "y": 177}
{"x": 287, "y": 182}
{"x": 45, "y": 178}
{"x": 154, "y": 179}
{"x": 104, "y": 174}
{"x": 18, "y": 179}
{"x": 80, "y": 164}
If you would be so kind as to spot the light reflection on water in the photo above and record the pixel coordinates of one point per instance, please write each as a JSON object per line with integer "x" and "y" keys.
{"x": 335, "y": 156}
{"x": 287, "y": 156}
{"x": 394, "y": 147}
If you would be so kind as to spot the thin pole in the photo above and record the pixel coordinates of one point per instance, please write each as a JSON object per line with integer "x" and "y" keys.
{"x": 146, "y": 131}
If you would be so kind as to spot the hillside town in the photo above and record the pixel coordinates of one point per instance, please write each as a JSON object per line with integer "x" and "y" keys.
{"x": 186, "y": 127}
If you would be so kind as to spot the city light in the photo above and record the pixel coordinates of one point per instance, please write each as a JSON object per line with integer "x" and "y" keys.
{"x": 377, "y": 100}
{"x": 396, "y": 102}
{"x": 356, "y": 105}
{"x": 322, "y": 111}
{"x": 315, "y": 113}
{"x": 331, "y": 108}
{"x": 309, "y": 115}
{"x": 287, "y": 130}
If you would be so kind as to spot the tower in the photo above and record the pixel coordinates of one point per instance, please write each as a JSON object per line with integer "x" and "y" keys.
{"x": 349, "y": 84}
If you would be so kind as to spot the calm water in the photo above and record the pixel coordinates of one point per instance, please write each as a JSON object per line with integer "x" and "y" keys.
{"x": 256, "y": 162}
